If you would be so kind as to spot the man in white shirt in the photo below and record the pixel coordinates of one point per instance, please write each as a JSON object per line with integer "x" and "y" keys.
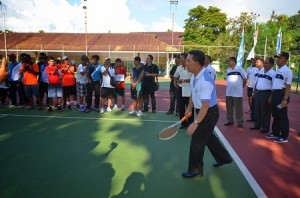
{"x": 250, "y": 73}
{"x": 262, "y": 92}
{"x": 210, "y": 69}
{"x": 236, "y": 81}
{"x": 280, "y": 98}
{"x": 182, "y": 83}
{"x": 82, "y": 80}
{"x": 108, "y": 92}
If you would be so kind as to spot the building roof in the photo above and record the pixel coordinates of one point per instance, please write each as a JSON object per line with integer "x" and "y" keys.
{"x": 141, "y": 41}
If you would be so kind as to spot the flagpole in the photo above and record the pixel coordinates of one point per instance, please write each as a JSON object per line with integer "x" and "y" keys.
{"x": 265, "y": 52}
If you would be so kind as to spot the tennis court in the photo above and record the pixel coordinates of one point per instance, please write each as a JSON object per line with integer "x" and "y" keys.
{"x": 73, "y": 154}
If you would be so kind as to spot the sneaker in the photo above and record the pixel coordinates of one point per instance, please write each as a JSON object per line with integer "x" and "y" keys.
{"x": 169, "y": 112}
{"x": 270, "y": 136}
{"x": 115, "y": 107}
{"x": 132, "y": 112}
{"x": 82, "y": 108}
{"x": 59, "y": 108}
{"x": 69, "y": 107}
{"x": 123, "y": 108}
{"x": 50, "y": 109}
{"x": 97, "y": 109}
{"x": 280, "y": 140}
{"x": 87, "y": 110}
{"x": 12, "y": 106}
{"x": 101, "y": 110}
{"x": 139, "y": 113}
{"x": 108, "y": 109}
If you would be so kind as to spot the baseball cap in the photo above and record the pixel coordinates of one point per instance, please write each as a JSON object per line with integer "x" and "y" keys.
{"x": 107, "y": 59}
{"x": 65, "y": 57}
{"x": 282, "y": 54}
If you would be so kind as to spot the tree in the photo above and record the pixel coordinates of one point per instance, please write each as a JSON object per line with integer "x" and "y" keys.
{"x": 204, "y": 25}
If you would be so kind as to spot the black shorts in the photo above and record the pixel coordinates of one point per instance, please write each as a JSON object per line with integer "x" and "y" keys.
{"x": 120, "y": 91}
{"x": 249, "y": 91}
{"x": 108, "y": 92}
{"x": 69, "y": 90}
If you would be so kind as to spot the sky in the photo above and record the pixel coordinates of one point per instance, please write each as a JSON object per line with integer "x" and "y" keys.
{"x": 122, "y": 16}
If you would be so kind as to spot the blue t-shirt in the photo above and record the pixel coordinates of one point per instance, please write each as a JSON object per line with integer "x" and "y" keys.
{"x": 136, "y": 73}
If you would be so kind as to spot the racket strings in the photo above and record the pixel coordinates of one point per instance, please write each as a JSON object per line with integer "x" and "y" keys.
{"x": 168, "y": 132}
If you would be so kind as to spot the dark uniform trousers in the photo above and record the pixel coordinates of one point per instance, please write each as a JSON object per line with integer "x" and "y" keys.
{"x": 93, "y": 87}
{"x": 262, "y": 110}
{"x": 280, "y": 125}
{"x": 183, "y": 102}
{"x": 204, "y": 136}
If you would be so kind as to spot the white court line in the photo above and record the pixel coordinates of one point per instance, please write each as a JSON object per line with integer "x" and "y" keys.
{"x": 254, "y": 185}
{"x": 90, "y": 118}
{"x": 2, "y": 116}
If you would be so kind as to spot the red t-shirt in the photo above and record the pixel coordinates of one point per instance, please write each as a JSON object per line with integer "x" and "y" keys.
{"x": 54, "y": 79}
{"x": 68, "y": 78}
{"x": 121, "y": 71}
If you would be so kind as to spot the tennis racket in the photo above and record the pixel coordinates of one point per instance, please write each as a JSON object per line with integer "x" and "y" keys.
{"x": 170, "y": 131}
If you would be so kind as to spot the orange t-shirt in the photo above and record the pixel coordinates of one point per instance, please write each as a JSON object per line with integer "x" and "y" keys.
{"x": 30, "y": 78}
{"x": 68, "y": 78}
{"x": 54, "y": 79}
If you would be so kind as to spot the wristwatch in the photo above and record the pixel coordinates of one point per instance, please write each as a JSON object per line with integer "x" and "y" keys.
{"x": 196, "y": 122}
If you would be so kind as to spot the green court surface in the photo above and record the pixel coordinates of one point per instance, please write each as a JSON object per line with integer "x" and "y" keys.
{"x": 73, "y": 154}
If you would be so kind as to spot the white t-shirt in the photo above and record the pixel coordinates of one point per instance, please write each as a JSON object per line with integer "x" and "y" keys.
{"x": 82, "y": 79}
{"x": 251, "y": 71}
{"x": 264, "y": 80}
{"x": 15, "y": 73}
{"x": 106, "y": 78}
{"x": 283, "y": 76}
{"x": 182, "y": 73}
{"x": 235, "y": 79}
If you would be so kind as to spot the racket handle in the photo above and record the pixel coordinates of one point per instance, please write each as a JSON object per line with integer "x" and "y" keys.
{"x": 186, "y": 116}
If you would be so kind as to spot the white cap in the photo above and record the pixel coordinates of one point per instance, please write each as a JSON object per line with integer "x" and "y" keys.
{"x": 64, "y": 57}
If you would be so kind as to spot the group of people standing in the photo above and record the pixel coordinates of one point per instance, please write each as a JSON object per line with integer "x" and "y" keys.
{"x": 268, "y": 94}
{"x": 61, "y": 82}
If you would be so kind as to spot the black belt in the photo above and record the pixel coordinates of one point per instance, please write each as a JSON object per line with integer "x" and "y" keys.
{"x": 215, "y": 106}
{"x": 278, "y": 90}
{"x": 264, "y": 90}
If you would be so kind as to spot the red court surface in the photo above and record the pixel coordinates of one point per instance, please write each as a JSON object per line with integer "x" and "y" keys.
{"x": 275, "y": 167}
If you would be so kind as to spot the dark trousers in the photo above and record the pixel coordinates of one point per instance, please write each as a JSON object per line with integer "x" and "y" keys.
{"x": 234, "y": 104}
{"x": 280, "y": 125}
{"x": 14, "y": 88}
{"x": 204, "y": 136}
{"x": 173, "y": 99}
{"x": 43, "y": 89}
{"x": 93, "y": 87}
{"x": 183, "y": 102}
{"x": 252, "y": 108}
{"x": 148, "y": 91}
{"x": 262, "y": 110}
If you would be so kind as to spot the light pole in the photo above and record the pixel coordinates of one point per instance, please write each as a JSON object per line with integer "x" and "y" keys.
{"x": 4, "y": 27}
{"x": 85, "y": 22}
{"x": 254, "y": 16}
{"x": 173, "y": 18}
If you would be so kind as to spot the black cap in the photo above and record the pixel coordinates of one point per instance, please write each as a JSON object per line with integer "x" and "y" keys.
{"x": 282, "y": 54}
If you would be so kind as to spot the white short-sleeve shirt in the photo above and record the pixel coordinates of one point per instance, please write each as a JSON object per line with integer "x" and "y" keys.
{"x": 283, "y": 76}
{"x": 234, "y": 79}
{"x": 182, "y": 73}
{"x": 203, "y": 89}
{"x": 211, "y": 71}
{"x": 106, "y": 78}
{"x": 82, "y": 79}
{"x": 251, "y": 71}
{"x": 264, "y": 80}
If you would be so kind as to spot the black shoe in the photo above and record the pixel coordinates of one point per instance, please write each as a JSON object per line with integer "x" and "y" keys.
{"x": 169, "y": 112}
{"x": 191, "y": 175}
{"x": 228, "y": 123}
{"x": 251, "y": 120}
{"x": 177, "y": 114}
{"x": 153, "y": 110}
{"x": 218, "y": 164}
{"x": 145, "y": 110}
{"x": 50, "y": 109}
{"x": 254, "y": 128}
{"x": 240, "y": 126}
{"x": 69, "y": 107}
{"x": 59, "y": 108}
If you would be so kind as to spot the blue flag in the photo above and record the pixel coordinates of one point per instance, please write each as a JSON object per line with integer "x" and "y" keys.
{"x": 240, "y": 57}
{"x": 278, "y": 42}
